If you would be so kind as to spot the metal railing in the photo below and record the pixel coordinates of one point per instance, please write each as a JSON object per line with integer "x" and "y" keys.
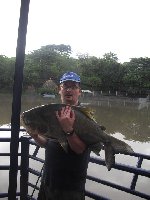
{"x": 26, "y": 170}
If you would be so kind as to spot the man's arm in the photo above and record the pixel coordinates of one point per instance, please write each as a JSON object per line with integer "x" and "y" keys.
{"x": 74, "y": 141}
{"x": 76, "y": 144}
{"x": 40, "y": 140}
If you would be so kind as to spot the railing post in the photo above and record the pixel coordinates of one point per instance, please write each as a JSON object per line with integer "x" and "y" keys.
{"x": 16, "y": 102}
{"x": 135, "y": 177}
{"x": 24, "y": 174}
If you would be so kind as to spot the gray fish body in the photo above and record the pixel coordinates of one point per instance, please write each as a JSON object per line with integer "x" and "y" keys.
{"x": 43, "y": 118}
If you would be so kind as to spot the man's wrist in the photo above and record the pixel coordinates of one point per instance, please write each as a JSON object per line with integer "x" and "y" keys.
{"x": 68, "y": 133}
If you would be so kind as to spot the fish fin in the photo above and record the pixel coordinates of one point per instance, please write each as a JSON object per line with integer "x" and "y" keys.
{"x": 62, "y": 141}
{"x": 89, "y": 112}
{"x": 109, "y": 156}
{"x": 96, "y": 148}
{"x": 64, "y": 144}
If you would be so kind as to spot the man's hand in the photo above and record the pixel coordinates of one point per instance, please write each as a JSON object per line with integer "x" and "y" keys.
{"x": 66, "y": 118}
{"x": 40, "y": 140}
{"x": 32, "y": 133}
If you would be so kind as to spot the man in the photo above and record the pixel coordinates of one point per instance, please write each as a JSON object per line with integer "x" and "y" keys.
{"x": 64, "y": 173}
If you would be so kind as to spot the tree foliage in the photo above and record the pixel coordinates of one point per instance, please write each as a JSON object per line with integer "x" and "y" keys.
{"x": 137, "y": 74}
{"x": 106, "y": 73}
{"x": 7, "y": 67}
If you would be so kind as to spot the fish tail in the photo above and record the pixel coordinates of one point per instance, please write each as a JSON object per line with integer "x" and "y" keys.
{"x": 112, "y": 147}
{"x": 120, "y": 146}
{"x": 109, "y": 156}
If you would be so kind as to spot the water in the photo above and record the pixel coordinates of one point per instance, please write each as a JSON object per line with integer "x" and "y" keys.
{"x": 125, "y": 119}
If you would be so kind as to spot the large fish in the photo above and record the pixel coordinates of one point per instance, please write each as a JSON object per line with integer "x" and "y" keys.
{"x": 43, "y": 118}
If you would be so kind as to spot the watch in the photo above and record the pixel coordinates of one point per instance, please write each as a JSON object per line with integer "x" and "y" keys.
{"x": 70, "y": 133}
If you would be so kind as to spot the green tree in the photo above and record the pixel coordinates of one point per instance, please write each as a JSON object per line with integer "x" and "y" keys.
{"x": 137, "y": 75}
{"x": 47, "y": 62}
{"x": 111, "y": 73}
{"x": 7, "y": 66}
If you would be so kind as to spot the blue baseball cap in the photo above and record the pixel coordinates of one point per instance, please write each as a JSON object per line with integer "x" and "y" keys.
{"x": 70, "y": 76}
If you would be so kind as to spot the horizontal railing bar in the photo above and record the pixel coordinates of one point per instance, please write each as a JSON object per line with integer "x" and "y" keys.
{"x": 122, "y": 167}
{"x": 7, "y": 167}
{"x": 5, "y": 129}
{"x": 138, "y": 155}
{"x": 94, "y": 196}
{"x": 131, "y": 154}
{"x": 122, "y": 188}
{"x": 35, "y": 172}
{"x": 2, "y": 195}
{"x": 36, "y": 158}
{"x": 6, "y": 139}
{"x": 87, "y": 193}
{"x": 4, "y": 154}
{"x": 4, "y": 167}
{"x": 9, "y": 129}
{"x": 134, "y": 170}
{"x": 33, "y": 186}
{"x": 8, "y": 154}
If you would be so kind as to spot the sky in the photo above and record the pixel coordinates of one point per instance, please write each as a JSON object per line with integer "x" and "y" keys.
{"x": 92, "y": 27}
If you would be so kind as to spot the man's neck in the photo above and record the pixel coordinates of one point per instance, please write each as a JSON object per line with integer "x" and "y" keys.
{"x": 71, "y": 103}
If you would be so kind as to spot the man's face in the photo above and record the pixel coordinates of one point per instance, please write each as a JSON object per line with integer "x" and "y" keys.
{"x": 70, "y": 92}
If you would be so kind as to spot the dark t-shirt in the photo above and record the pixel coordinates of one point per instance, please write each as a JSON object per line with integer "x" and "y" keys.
{"x": 63, "y": 170}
